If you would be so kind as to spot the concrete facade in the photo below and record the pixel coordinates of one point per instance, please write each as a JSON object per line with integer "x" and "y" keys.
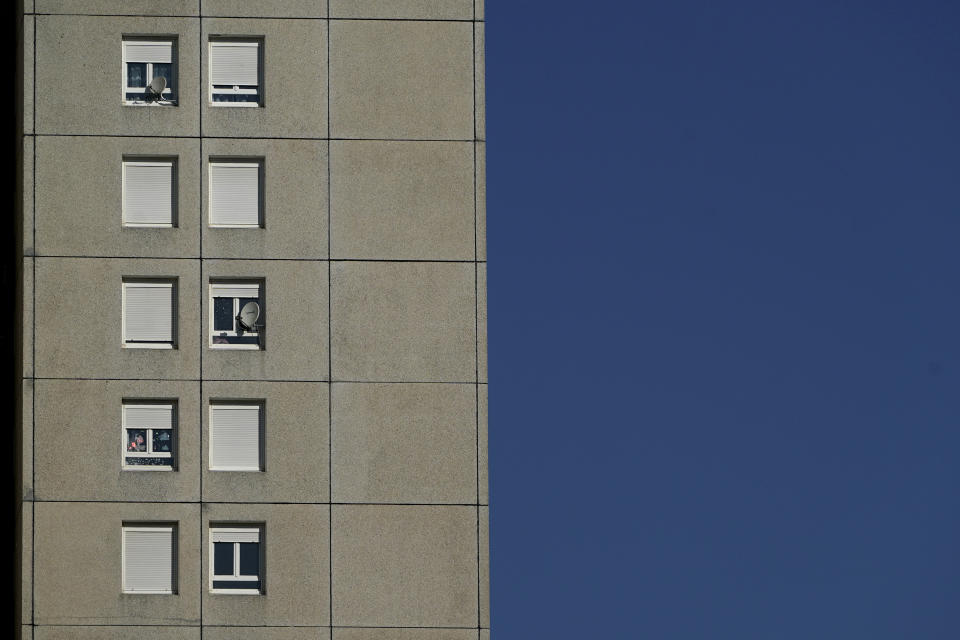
{"x": 371, "y": 502}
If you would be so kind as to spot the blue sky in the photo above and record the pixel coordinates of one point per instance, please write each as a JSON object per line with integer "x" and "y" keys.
{"x": 723, "y": 243}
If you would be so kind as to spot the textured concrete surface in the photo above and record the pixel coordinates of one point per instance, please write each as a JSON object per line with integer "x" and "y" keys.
{"x": 417, "y": 9}
{"x": 482, "y": 321}
{"x": 396, "y": 566}
{"x": 402, "y": 200}
{"x": 483, "y": 452}
{"x": 401, "y": 80}
{"x": 294, "y": 91}
{"x": 79, "y": 204}
{"x": 265, "y": 8}
{"x": 26, "y": 563}
{"x": 404, "y": 443}
{"x": 28, "y": 52}
{"x": 118, "y": 633}
{"x": 296, "y": 565}
{"x": 295, "y": 195}
{"x": 60, "y": 42}
{"x": 27, "y": 327}
{"x": 479, "y": 81}
{"x": 126, "y": 7}
{"x": 404, "y": 634}
{"x": 403, "y": 321}
{"x": 295, "y": 442}
{"x": 27, "y": 195}
{"x": 480, "y": 150}
{"x": 79, "y": 544}
{"x": 87, "y": 413}
{"x": 265, "y": 633}
{"x": 484, "y": 524}
{"x": 478, "y": 9}
{"x": 79, "y": 331}
{"x": 26, "y": 409}
{"x": 295, "y": 312}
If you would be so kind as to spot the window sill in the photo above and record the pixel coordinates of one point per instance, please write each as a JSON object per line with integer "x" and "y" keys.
{"x": 235, "y": 226}
{"x": 237, "y": 347}
{"x": 147, "y": 468}
{"x": 152, "y": 103}
{"x": 147, "y": 345}
{"x": 247, "y": 105}
{"x": 238, "y": 592}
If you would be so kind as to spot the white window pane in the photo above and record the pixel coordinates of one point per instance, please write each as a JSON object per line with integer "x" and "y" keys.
{"x": 235, "y": 194}
{"x": 143, "y": 51}
{"x": 148, "y": 416}
{"x": 148, "y": 312}
{"x": 234, "y": 63}
{"x": 235, "y": 437}
{"x": 148, "y": 559}
{"x": 148, "y": 193}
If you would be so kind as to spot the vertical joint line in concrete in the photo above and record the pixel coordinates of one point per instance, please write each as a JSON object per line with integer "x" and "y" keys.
{"x": 329, "y": 351}
{"x": 476, "y": 309}
{"x": 200, "y": 274}
{"x": 33, "y": 357}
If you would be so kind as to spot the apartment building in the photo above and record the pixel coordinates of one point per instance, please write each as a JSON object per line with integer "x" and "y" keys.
{"x": 252, "y": 320}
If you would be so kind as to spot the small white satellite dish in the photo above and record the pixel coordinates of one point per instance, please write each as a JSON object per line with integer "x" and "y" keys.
{"x": 157, "y": 85}
{"x": 248, "y": 316}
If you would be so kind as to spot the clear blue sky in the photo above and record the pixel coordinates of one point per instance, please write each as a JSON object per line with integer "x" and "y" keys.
{"x": 724, "y": 258}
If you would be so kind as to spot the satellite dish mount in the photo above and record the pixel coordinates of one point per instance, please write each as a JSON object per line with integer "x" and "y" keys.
{"x": 156, "y": 87}
{"x": 247, "y": 320}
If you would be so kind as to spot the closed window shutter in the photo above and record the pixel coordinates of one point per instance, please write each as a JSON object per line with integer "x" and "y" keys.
{"x": 235, "y": 194}
{"x": 148, "y": 564}
{"x": 148, "y": 193}
{"x": 235, "y": 437}
{"x": 148, "y": 312}
{"x": 234, "y": 63}
{"x": 149, "y": 51}
{"x": 154, "y": 416}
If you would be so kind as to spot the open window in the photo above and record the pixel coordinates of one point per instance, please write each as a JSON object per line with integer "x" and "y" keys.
{"x": 149, "y": 438}
{"x": 235, "y": 72}
{"x": 149, "y": 72}
{"x": 237, "y": 315}
{"x": 236, "y": 559}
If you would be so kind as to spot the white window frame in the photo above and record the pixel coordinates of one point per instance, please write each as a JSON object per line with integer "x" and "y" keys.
{"x": 236, "y": 534}
{"x": 243, "y": 41}
{"x": 235, "y": 162}
{"x": 254, "y": 286}
{"x": 133, "y": 161}
{"x": 261, "y": 424}
{"x": 171, "y": 284}
{"x": 155, "y": 527}
{"x": 149, "y": 453}
{"x": 170, "y": 90}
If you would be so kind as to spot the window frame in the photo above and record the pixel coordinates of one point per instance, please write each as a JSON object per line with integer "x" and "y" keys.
{"x": 125, "y": 453}
{"x": 244, "y": 162}
{"x": 239, "y": 531}
{"x": 254, "y": 285}
{"x": 158, "y": 527}
{"x": 171, "y": 88}
{"x": 170, "y": 283}
{"x": 261, "y": 432}
{"x": 249, "y": 41}
{"x": 149, "y": 161}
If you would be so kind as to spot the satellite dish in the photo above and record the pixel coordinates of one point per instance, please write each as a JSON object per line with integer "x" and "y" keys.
{"x": 157, "y": 85}
{"x": 248, "y": 316}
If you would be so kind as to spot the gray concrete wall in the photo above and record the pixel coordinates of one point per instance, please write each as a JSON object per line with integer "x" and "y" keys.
{"x": 374, "y": 493}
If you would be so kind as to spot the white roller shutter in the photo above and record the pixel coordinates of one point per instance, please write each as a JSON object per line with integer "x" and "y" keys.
{"x": 148, "y": 416}
{"x": 148, "y": 560}
{"x": 148, "y": 312}
{"x": 235, "y": 194}
{"x": 235, "y": 291}
{"x": 147, "y": 51}
{"x": 148, "y": 193}
{"x": 235, "y": 437}
{"x": 234, "y": 63}
{"x": 234, "y": 534}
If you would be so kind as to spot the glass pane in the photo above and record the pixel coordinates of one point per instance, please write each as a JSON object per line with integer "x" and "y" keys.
{"x": 164, "y": 69}
{"x": 136, "y": 440}
{"x": 236, "y": 97}
{"x": 162, "y": 439}
{"x": 249, "y": 558}
{"x": 150, "y": 462}
{"x": 231, "y": 584}
{"x": 134, "y": 96}
{"x": 136, "y": 74}
{"x": 223, "y": 558}
{"x": 223, "y": 314}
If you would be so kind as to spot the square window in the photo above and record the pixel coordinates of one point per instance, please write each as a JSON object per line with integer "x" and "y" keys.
{"x": 149, "y": 435}
{"x": 236, "y": 559}
{"x": 236, "y": 315}
{"x": 148, "y": 63}
{"x": 235, "y": 77}
{"x": 236, "y": 436}
{"x": 235, "y": 193}
{"x": 149, "y": 192}
{"x": 148, "y": 314}
{"x": 149, "y": 558}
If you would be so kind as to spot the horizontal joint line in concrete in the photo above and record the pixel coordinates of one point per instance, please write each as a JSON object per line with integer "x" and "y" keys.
{"x": 417, "y": 260}
{"x": 133, "y": 135}
{"x": 324, "y": 381}
{"x": 208, "y": 15}
{"x": 264, "y": 502}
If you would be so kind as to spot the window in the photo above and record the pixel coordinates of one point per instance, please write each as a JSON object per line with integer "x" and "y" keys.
{"x": 235, "y": 73}
{"x": 148, "y": 192}
{"x": 236, "y": 430}
{"x": 145, "y": 59}
{"x": 228, "y": 329}
{"x": 148, "y": 435}
{"x": 235, "y": 193}
{"x": 149, "y": 558}
{"x": 236, "y": 559}
{"x": 148, "y": 314}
